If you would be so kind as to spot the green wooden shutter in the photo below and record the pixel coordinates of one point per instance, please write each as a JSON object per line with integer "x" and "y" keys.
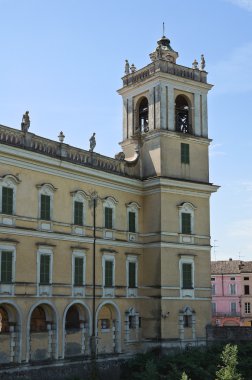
{"x": 44, "y": 269}
{"x": 108, "y": 217}
{"x": 6, "y": 267}
{"x": 186, "y": 223}
{"x": 7, "y": 200}
{"x": 45, "y": 207}
{"x": 132, "y": 221}
{"x": 187, "y": 276}
{"x": 132, "y": 275}
{"x": 109, "y": 273}
{"x": 78, "y": 271}
{"x": 185, "y": 158}
{"x": 78, "y": 213}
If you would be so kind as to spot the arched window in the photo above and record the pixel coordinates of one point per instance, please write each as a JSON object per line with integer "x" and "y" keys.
{"x": 182, "y": 115}
{"x": 143, "y": 116}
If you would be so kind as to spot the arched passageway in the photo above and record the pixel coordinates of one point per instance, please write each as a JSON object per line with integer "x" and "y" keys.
{"x": 108, "y": 328}
{"x": 42, "y": 333}
{"x": 76, "y": 330}
{"x": 10, "y": 330}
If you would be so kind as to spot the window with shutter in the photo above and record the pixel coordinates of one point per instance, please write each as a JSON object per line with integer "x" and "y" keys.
{"x": 108, "y": 217}
{"x": 185, "y": 154}
{"x": 132, "y": 275}
{"x": 7, "y": 200}
{"x": 44, "y": 269}
{"x": 186, "y": 223}
{"x": 78, "y": 271}
{"x": 6, "y": 267}
{"x": 108, "y": 273}
{"x": 45, "y": 207}
{"x": 187, "y": 276}
{"x": 132, "y": 221}
{"x": 78, "y": 213}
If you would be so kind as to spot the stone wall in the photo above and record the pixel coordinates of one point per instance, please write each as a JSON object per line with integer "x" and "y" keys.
{"x": 108, "y": 369}
{"x": 229, "y": 333}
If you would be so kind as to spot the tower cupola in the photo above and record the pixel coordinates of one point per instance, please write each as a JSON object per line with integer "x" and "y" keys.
{"x": 164, "y": 51}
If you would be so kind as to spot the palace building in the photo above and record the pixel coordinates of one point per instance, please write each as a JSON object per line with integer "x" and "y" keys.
{"x": 114, "y": 249}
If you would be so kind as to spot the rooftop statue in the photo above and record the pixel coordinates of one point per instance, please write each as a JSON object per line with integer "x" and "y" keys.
{"x": 92, "y": 142}
{"x": 127, "y": 67}
{"x": 202, "y": 63}
{"x": 25, "y": 125}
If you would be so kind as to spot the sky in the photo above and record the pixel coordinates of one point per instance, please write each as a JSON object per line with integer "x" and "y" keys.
{"x": 63, "y": 61}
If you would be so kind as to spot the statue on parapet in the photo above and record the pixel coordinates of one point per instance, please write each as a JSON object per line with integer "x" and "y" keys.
{"x": 25, "y": 125}
{"x": 127, "y": 67}
{"x": 92, "y": 143}
{"x": 202, "y": 62}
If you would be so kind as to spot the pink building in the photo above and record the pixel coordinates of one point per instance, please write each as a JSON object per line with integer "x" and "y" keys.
{"x": 227, "y": 292}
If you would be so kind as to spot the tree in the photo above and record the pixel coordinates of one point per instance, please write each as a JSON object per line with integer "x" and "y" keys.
{"x": 228, "y": 370}
{"x": 184, "y": 376}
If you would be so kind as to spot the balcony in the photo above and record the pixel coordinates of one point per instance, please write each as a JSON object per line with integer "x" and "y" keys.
{"x": 223, "y": 315}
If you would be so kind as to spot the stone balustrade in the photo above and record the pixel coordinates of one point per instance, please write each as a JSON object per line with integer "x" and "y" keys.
{"x": 30, "y": 141}
{"x": 164, "y": 66}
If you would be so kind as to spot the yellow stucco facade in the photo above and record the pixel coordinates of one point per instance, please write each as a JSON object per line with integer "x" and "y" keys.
{"x": 150, "y": 236}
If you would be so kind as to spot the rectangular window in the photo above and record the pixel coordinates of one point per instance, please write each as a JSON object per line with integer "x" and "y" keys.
{"x": 213, "y": 308}
{"x": 233, "y": 308}
{"x": 132, "y": 275}
{"x": 187, "y": 276}
{"x": 78, "y": 213}
{"x": 247, "y": 307}
{"x": 212, "y": 278}
{"x": 6, "y": 267}
{"x": 132, "y": 221}
{"x": 44, "y": 269}
{"x": 78, "y": 271}
{"x": 246, "y": 278}
{"x": 213, "y": 289}
{"x": 7, "y": 200}
{"x": 186, "y": 223}
{"x": 105, "y": 324}
{"x": 108, "y": 273}
{"x": 232, "y": 278}
{"x": 132, "y": 322}
{"x": 45, "y": 207}
{"x": 187, "y": 320}
{"x": 108, "y": 217}
{"x": 232, "y": 289}
{"x": 185, "y": 154}
{"x": 246, "y": 289}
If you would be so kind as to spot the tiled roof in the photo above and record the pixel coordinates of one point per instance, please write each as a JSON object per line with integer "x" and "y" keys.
{"x": 225, "y": 267}
{"x": 246, "y": 267}
{"x": 231, "y": 267}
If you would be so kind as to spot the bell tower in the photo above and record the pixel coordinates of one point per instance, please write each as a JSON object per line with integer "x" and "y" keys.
{"x": 165, "y": 143}
{"x": 165, "y": 116}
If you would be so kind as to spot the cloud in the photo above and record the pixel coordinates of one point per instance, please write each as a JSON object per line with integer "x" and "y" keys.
{"x": 245, "y": 4}
{"x": 232, "y": 74}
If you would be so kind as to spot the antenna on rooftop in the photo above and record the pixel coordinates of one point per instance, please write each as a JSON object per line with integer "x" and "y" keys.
{"x": 163, "y": 29}
{"x": 214, "y": 249}
{"x": 240, "y": 256}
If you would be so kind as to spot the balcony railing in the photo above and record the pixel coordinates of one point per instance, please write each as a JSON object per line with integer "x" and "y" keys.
{"x": 230, "y": 314}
